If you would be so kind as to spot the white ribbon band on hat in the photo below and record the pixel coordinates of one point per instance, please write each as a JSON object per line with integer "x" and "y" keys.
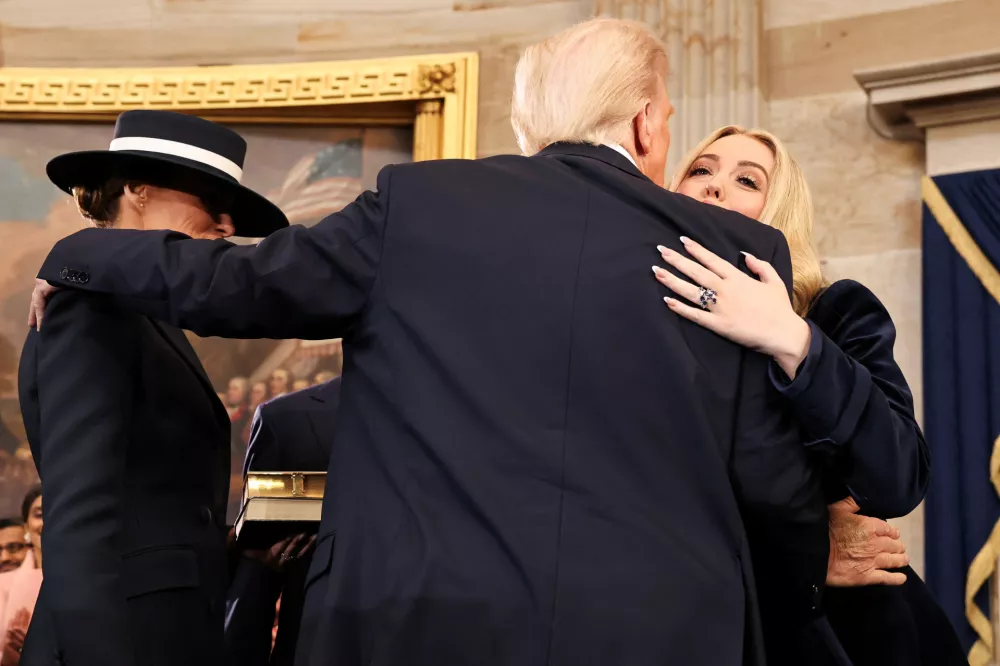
{"x": 178, "y": 149}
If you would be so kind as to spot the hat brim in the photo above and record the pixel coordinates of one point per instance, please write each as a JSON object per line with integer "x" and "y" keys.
{"x": 254, "y": 216}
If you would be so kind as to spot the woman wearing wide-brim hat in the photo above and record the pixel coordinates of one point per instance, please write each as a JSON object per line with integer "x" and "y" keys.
{"x": 128, "y": 434}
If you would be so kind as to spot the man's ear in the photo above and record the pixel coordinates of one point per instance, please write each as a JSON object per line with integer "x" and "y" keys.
{"x": 642, "y": 129}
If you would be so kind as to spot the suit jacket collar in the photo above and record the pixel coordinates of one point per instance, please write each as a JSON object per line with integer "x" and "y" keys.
{"x": 604, "y": 154}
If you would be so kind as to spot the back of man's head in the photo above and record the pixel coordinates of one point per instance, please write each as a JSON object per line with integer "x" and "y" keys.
{"x": 585, "y": 84}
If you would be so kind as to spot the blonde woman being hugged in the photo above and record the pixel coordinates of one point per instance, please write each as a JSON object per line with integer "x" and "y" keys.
{"x": 832, "y": 350}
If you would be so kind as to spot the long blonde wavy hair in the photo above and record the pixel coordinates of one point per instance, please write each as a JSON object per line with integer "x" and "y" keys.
{"x": 788, "y": 208}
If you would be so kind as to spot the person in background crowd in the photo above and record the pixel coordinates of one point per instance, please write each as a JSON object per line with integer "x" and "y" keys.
{"x": 239, "y": 417}
{"x": 19, "y": 588}
{"x": 130, "y": 439}
{"x": 280, "y": 381}
{"x": 8, "y": 442}
{"x": 236, "y": 399}
{"x": 300, "y": 384}
{"x": 324, "y": 377}
{"x": 293, "y": 433}
{"x": 851, "y": 400}
{"x": 13, "y": 548}
{"x": 258, "y": 394}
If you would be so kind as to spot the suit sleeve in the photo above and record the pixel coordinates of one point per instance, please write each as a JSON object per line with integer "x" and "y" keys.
{"x": 250, "y": 605}
{"x": 852, "y": 401}
{"x": 779, "y": 490}
{"x": 300, "y": 282}
{"x": 85, "y": 360}
{"x": 262, "y": 452}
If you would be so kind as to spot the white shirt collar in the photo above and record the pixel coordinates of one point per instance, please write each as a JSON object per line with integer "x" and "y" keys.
{"x": 618, "y": 149}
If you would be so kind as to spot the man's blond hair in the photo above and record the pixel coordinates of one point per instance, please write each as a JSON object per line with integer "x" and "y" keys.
{"x": 585, "y": 84}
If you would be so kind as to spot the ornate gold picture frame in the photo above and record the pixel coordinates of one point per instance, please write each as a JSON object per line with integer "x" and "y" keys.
{"x": 317, "y": 134}
{"x": 436, "y": 94}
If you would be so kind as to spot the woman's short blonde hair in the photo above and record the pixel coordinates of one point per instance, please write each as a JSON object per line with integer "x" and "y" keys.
{"x": 585, "y": 84}
{"x": 788, "y": 208}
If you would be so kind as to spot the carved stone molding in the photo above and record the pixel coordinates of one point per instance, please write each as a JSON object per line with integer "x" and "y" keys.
{"x": 908, "y": 99}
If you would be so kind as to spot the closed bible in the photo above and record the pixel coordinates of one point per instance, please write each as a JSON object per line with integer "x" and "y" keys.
{"x": 277, "y": 505}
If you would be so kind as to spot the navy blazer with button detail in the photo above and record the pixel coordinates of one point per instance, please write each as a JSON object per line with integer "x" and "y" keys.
{"x": 855, "y": 407}
{"x": 132, "y": 447}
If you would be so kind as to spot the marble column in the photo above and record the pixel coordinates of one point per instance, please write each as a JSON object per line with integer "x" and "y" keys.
{"x": 714, "y": 48}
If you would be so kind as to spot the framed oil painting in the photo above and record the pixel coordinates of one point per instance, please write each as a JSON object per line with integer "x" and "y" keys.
{"x": 317, "y": 135}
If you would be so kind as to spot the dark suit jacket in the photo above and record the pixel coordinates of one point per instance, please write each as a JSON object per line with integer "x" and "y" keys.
{"x": 536, "y": 463}
{"x": 855, "y": 407}
{"x": 132, "y": 447}
{"x": 293, "y": 433}
{"x": 856, "y": 411}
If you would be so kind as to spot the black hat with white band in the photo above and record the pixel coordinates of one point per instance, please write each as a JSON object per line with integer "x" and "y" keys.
{"x": 185, "y": 152}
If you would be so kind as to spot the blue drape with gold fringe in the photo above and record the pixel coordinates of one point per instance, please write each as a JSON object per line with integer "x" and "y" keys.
{"x": 961, "y": 322}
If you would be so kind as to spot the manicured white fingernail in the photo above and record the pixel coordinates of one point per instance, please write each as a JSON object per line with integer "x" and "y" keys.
{"x": 661, "y": 248}
{"x": 747, "y": 254}
{"x": 657, "y": 270}
{"x": 685, "y": 239}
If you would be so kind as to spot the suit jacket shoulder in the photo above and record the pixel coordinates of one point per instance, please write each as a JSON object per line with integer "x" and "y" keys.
{"x": 294, "y": 432}
{"x": 302, "y": 400}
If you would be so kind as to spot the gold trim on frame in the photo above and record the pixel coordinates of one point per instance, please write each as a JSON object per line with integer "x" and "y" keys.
{"x": 438, "y": 94}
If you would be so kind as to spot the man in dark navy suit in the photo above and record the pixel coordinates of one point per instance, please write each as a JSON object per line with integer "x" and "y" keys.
{"x": 292, "y": 433}
{"x": 535, "y": 461}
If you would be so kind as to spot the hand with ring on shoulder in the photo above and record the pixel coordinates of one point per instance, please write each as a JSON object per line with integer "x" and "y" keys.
{"x": 753, "y": 313}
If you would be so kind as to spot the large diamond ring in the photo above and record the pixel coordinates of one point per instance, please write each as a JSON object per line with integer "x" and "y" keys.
{"x": 707, "y": 297}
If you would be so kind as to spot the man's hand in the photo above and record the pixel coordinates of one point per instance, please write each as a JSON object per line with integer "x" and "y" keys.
{"x": 862, "y": 549}
{"x": 39, "y": 297}
{"x": 277, "y": 557}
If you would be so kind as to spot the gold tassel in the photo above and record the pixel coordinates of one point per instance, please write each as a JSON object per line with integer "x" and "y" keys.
{"x": 984, "y": 565}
